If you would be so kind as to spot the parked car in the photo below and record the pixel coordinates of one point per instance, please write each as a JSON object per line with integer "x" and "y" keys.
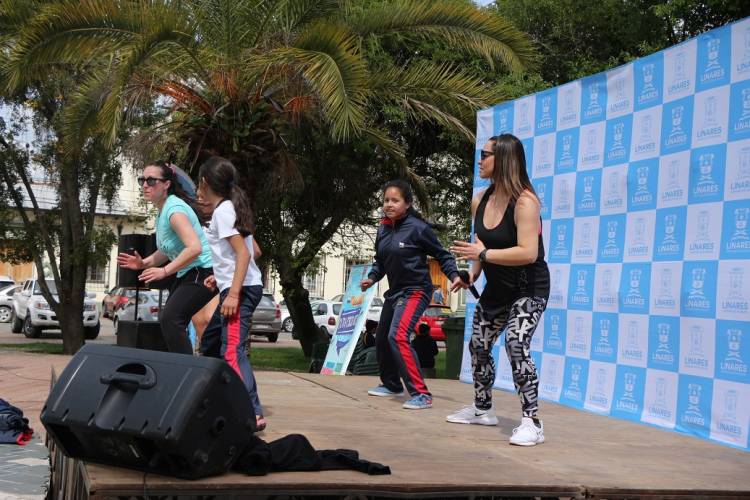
{"x": 376, "y": 307}
{"x": 286, "y": 319}
{"x": 326, "y": 315}
{"x": 6, "y": 281}
{"x": 115, "y": 299}
{"x": 31, "y": 313}
{"x": 6, "y": 301}
{"x": 148, "y": 307}
{"x": 434, "y": 316}
{"x": 266, "y": 320}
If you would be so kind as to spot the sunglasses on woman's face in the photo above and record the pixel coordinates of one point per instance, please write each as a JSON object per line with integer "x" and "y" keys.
{"x": 486, "y": 154}
{"x": 150, "y": 181}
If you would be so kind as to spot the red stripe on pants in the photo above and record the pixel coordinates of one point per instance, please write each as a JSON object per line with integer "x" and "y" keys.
{"x": 233, "y": 340}
{"x": 402, "y": 339}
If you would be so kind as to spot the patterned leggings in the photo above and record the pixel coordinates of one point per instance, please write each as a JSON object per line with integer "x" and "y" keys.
{"x": 521, "y": 318}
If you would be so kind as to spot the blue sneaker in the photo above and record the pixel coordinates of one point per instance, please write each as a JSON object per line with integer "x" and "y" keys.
{"x": 383, "y": 391}
{"x": 420, "y": 402}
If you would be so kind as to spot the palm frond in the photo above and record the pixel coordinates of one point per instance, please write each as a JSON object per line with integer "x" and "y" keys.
{"x": 326, "y": 55}
{"x": 69, "y": 32}
{"x": 435, "y": 92}
{"x": 460, "y": 24}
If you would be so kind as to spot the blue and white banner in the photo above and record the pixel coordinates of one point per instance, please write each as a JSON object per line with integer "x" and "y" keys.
{"x": 644, "y": 177}
{"x": 352, "y": 319}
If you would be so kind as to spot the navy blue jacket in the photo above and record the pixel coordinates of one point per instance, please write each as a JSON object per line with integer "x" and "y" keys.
{"x": 401, "y": 251}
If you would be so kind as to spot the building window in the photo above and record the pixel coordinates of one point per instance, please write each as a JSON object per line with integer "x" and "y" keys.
{"x": 98, "y": 273}
{"x": 348, "y": 263}
{"x": 314, "y": 283}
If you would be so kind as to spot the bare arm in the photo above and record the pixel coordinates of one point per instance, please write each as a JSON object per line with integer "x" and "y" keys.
{"x": 526, "y": 216}
{"x": 181, "y": 225}
{"x": 257, "y": 252}
{"x": 230, "y": 304}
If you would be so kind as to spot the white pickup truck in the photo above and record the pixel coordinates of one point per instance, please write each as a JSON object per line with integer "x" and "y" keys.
{"x": 31, "y": 313}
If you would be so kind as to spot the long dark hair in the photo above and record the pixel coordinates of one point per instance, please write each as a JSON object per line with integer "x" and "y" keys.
{"x": 176, "y": 189}
{"x": 408, "y": 195}
{"x": 221, "y": 177}
{"x": 509, "y": 174}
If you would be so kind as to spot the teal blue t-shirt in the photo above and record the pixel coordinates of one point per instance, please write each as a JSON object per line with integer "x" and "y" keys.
{"x": 170, "y": 244}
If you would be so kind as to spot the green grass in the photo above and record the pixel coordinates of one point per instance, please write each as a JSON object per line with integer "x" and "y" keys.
{"x": 288, "y": 359}
{"x": 35, "y": 347}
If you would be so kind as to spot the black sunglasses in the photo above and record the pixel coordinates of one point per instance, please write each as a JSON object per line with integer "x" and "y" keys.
{"x": 486, "y": 154}
{"x": 150, "y": 181}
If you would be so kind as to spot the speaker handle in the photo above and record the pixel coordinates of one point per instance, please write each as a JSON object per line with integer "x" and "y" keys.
{"x": 143, "y": 381}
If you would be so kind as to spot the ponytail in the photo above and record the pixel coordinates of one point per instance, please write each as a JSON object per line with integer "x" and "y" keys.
{"x": 221, "y": 177}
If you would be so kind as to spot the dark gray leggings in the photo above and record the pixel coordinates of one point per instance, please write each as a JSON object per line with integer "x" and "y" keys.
{"x": 187, "y": 296}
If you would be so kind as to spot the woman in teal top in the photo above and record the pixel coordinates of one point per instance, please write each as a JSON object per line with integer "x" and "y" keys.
{"x": 182, "y": 250}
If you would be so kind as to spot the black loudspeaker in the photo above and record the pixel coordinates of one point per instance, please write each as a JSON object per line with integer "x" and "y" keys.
{"x": 145, "y": 245}
{"x": 166, "y": 413}
{"x": 140, "y": 334}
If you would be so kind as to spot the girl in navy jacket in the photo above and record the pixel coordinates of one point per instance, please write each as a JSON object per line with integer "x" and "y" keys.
{"x": 403, "y": 242}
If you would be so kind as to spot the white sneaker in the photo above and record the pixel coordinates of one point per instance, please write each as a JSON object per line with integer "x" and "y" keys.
{"x": 528, "y": 434}
{"x": 470, "y": 415}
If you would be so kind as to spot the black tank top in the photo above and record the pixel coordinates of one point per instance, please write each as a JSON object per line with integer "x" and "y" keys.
{"x": 506, "y": 284}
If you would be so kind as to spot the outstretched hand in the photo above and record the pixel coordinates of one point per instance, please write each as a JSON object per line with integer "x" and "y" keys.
{"x": 466, "y": 250}
{"x": 134, "y": 262}
{"x": 366, "y": 283}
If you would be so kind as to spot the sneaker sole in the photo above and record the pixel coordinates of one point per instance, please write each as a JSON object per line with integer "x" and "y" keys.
{"x": 528, "y": 444}
{"x": 382, "y": 395}
{"x": 410, "y": 407}
{"x": 457, "y": 421}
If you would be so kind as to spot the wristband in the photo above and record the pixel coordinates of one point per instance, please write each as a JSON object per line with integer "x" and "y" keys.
{"x": 483, "y": 256}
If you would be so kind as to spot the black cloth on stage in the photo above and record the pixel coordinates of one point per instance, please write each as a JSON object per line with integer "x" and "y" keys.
{"x": 295, "y": 453}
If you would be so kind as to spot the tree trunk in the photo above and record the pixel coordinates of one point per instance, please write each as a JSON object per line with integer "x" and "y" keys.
{"x": 298, "y": 302}
{"x": 73, "y": 262}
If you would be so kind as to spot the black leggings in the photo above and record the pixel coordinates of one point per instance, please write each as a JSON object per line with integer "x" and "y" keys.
{"x": 187, "y": 296}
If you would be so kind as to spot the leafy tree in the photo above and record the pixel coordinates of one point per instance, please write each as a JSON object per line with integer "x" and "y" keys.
{"x": 285, "y": 89}
{"x": 578, "y": 38}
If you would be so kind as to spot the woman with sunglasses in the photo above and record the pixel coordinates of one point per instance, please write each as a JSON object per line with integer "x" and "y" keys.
{"x": 508, "y": 247}
{"x": 182, "y": 250}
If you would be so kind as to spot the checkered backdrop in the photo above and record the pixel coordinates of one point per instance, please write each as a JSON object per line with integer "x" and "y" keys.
{"x": 644, "y": 177}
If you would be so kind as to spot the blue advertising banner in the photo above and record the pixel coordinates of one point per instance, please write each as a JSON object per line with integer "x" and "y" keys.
{"x": 643, "y": 173}
{"x": 352, "y": 319}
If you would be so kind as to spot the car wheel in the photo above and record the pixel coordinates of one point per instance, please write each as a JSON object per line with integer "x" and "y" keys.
{"x": 91, "y": 332}
{"x": 325, "y": 333}
{"x": 287, "y": 325}
{"x": 273, "y": 337}
{"x": 115, "y": 321}
{"x": 29, "y": 330}
{"x": 16, "y": 325}
{"x": 5, "y": 314}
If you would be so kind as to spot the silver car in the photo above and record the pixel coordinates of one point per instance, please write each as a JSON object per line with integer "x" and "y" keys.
{"x": 6, "y": 301}
{"x": 148, "y": 307}
{"x": 266, "y": 320}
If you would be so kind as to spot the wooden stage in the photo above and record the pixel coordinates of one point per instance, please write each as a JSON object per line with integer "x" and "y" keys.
{"x": 585, "y": 455}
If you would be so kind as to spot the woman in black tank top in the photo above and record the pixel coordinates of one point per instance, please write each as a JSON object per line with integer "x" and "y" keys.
{"x": 508, "y": 248}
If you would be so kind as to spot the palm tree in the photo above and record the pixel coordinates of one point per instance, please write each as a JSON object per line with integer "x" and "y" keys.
{"x": 274, "y": 85}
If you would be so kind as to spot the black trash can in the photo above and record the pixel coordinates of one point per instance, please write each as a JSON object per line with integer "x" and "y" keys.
{"x": 454, "y": 342}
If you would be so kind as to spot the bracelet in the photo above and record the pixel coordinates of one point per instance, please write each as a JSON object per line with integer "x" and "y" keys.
{"x": 483, "y": 256}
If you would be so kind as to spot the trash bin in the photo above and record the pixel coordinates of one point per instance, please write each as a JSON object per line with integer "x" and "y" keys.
{"x": 453, "y": 327}
{"x": 320, "y": 350}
